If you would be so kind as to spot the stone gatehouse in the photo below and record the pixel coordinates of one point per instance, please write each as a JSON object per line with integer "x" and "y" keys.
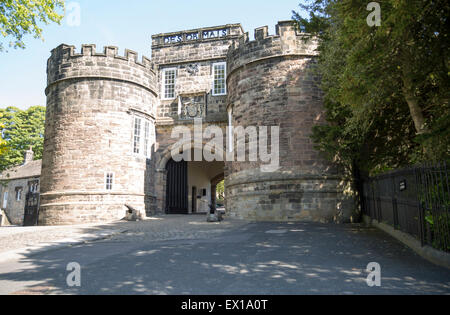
{"x": 110, "y": 118}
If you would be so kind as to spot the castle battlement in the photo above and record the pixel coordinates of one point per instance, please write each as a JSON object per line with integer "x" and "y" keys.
{"x": 287, "y": 41}
{"x": 89, "y": 50}
{"x": 193, "y": 45}
{"x": 65, "y": 63}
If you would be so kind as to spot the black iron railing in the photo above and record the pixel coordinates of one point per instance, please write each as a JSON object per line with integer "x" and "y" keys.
{"x": 414, "y": 200}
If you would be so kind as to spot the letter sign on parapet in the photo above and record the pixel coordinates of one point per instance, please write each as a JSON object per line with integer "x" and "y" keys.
{"x": 209, "y": 34}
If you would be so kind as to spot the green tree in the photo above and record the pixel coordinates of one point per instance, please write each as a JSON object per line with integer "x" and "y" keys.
{"x": 386, "y": 88}
{"x": 22, "y": 129}
{"x": 21, "y": 17}
{"x": 220, "y": 190}
{"x": 3, "y": 146}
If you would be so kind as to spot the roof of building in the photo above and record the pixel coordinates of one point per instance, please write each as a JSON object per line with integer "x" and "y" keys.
{"x": 31, "y": 169}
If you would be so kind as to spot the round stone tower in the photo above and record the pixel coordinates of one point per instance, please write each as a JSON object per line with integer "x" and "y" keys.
{"x": 90, "y": 170}
{"x": 271, "y": 82}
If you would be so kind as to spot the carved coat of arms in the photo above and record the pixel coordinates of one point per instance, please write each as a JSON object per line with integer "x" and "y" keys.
{"x": 192, "y": 110}
{"x": 191, "y": 106}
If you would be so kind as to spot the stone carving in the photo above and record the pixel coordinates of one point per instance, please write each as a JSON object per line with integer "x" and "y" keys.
{"x": 192, "y": 69}
{"x": 192, "y": 106}
{"x": 192, "y": 110}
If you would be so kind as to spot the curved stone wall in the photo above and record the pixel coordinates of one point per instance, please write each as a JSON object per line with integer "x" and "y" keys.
{"x": 271, "y": 83}
{"x": 92, "y": 99}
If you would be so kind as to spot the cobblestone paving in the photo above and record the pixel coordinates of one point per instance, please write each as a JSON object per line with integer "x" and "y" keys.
{"x": 153, "y": 229}
{"x": 175, "y": 227}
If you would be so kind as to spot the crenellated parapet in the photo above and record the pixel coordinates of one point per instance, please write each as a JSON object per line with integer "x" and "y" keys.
{"x": 287, "y": 42}
{"x": 195, "y": 45}
{"x": 65, "y": 64}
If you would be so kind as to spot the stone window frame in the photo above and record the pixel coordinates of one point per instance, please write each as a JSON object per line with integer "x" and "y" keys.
{"x": 230, "y": 144}
{"x": 146, "y": 138}
{"x": 150, "y": 138}
{"x": 5, "y": 200}
{"x": 18, "y": 193}
{"x": 33, "y": 186}
{"x": 109, "y": 180}
{"x": 137, "y": 134}
{"x": 213, "y": 88}
{"x": 164, "y": 84}
{"x": 146, "y": 141}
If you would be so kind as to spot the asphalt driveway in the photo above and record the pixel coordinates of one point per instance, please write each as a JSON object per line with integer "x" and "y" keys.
{"x": 230, "y": 258}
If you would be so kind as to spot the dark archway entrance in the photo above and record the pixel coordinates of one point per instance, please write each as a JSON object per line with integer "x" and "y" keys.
{"x": 177, "y": 188}
{"x": 188, "y": 184}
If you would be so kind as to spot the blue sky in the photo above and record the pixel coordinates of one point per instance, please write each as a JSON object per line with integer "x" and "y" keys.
{"x": 126, "y": 24}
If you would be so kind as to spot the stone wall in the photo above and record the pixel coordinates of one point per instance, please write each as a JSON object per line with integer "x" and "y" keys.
{"x": 91, "y": 101}
{"x": 202, "y": 48}
{"x": 15, "y": 208}
{"x": 199, "y": 83}
{"x": 271, "y": 83}
{"x": 193, "y": 60}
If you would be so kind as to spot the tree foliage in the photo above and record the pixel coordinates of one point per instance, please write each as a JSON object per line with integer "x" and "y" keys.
{"x": 21, "y": 129}
{"x": 3, "y": 146}
{"x": 386, "y": 88}
{"x": 21, "y": 17}
{"x": 220, "y": 190}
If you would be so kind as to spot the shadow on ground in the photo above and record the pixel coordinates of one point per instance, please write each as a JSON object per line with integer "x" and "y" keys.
{"x": 255, "y": 258}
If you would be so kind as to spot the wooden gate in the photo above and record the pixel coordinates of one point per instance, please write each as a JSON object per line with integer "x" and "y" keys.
{"x": 31, "y": 209}
{"x": 177, "y": 188}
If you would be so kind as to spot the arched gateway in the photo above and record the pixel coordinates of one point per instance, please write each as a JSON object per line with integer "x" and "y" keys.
{"x": 110, "y": 119}
{"x": 188, "y": 187}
